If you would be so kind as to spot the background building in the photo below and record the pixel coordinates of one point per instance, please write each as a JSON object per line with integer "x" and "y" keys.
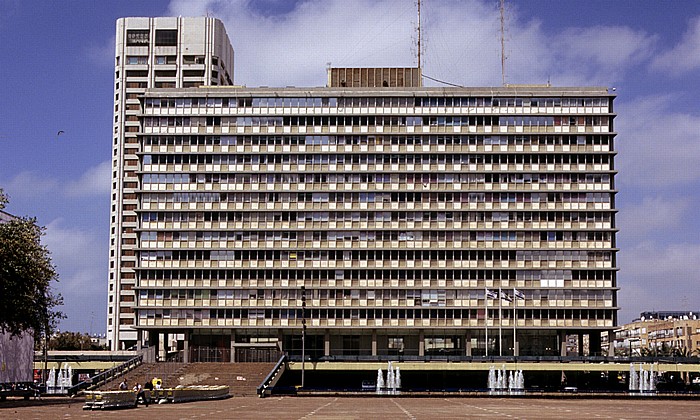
{"x": 660, "y": 333}
{"x": 387, "y": 217}
{"x": 150, "y": 53}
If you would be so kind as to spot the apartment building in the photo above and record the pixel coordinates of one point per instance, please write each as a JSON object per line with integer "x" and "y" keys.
{"x": 660, "y": 333}
{"x": 164, "y": 52}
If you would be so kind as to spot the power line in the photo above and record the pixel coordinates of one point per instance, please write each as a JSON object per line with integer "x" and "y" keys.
{"x": 441, "y": 81}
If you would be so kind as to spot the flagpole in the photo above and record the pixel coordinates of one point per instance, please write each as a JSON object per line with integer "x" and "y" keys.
{"x": 515, "y": 320}
{"x": 500, "y": 322}
{"x": 486, "y": 319}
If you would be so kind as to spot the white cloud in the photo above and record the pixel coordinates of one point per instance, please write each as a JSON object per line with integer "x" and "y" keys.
{"x": 101, "y": 54}
{"x": 461, "y": 40}
{"x": 658, "y": 146}
{"x": 81, "y": 259}
{"x": 95, "y": 181}
{"x": 603, "y": 53}
{"x": 658, "y": 214}
{"x": 685, "y": 56}
{"x": 655, "y": 277}
{"x": 28, "y": 185}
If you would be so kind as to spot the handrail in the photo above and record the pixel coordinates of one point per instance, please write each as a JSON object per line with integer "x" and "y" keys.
{"x": 272, "y": 376}
{"x": 103, "y": 377}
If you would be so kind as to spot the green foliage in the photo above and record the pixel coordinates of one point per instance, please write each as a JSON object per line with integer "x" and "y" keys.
{"x": 73, "y": 341}
{"x": 26, "y": 273}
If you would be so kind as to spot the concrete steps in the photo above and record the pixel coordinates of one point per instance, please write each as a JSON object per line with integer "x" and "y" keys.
{"x": 242, "y": 378}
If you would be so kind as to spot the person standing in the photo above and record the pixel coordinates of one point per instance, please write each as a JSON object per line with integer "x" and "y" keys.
{"x": 124, "y": 385}
{"x": 140, "y": 393}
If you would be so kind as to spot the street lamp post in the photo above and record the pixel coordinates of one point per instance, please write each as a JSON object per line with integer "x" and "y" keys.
{"x": 303, "y": 333}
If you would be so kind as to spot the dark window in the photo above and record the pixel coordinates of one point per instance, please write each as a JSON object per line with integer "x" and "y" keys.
{"x": 166, "y": 37}
{"x": 137, "y": 37}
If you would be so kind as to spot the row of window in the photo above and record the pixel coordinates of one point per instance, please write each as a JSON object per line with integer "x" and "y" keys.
{"x": 219, "y": 255}
{"x": 420, "y": 296}
{"x": 165, "y": 59}
{"x": 398, "y": 197}
{"x": 373, "y": 101}
{"x": 371, "y": 314}
{"x": 385, "y": 121}
{"x": 365, "y": 274}
{"x": 381, "y": 159}
{"x": 368, "y": 216}
{"x": 472, "y": 140}
{"x": 379, "y": 178}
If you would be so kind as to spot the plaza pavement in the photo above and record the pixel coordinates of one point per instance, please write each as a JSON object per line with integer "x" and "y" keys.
{"x": 386, "y": 408}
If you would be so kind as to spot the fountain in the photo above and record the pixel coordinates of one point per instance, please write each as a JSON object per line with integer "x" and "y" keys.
{"x": 642, "y": 381}
{"x": 392, "y": 383}
{"x": 491, "y": 383}
{"x": 51, "y": 381}
{"x": 380, "y": 381}
{"x": 504, "y": 382}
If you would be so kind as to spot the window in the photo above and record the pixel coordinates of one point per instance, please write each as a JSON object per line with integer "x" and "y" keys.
{"x": 166, "y": 37}
{"x": 137, "y": 37}
{"x": 136, "y": 59}
{"x": 166, "y": 59}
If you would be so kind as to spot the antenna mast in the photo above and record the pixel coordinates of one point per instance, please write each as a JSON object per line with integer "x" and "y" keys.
{"x": 419, "y": 32}
{"x": 503, "y": 43}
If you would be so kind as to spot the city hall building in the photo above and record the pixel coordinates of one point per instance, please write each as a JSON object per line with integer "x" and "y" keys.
{"x": 375, "y": 215}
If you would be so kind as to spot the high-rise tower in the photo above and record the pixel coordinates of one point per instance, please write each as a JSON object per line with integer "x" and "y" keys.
{"x": 164, "y": 52}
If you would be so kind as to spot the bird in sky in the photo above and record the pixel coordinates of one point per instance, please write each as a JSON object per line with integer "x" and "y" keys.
{"x": 60, "y": 132}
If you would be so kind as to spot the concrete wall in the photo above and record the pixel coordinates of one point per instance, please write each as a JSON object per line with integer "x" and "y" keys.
{"x": 16, "y": 358}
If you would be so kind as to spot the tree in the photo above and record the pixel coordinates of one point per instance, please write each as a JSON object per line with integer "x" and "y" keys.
{"x": 73, "y": 341}
{"x": 27, "y": 302}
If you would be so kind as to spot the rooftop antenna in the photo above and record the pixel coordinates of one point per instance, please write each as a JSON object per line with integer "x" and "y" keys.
{"x": 503, "y": 42}
{"x": 419, "y": 33}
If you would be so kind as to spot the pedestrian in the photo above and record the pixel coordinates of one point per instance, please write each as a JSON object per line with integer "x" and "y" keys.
{"x": 140, "y": 393}
{"x": 149, "y": 390}
{"x": 124, "y": 385}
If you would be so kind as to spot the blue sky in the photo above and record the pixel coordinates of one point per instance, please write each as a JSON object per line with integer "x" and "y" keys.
{"x": 56, "y": 73}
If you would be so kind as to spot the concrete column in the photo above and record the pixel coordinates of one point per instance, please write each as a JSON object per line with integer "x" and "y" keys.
{"x": 594, "y": 343}
{"x": 139, "y": 339}
{"x": 516, "y": 349}
{"x": 327, "y": 343}
{"x": 162, "y": 345}
{"x": 562, "y": 343}
{"x": 421, "y": 343}
{"x": 233, "y": 348}
{"x": 468, "y": 343}
{"x": 374, "y": 342}
{"x": 186, "y": 347}
{"x": 581, "y": 350}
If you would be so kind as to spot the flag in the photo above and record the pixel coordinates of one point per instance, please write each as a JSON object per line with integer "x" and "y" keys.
{"x": 505, "y": 297}
{"x": 518, "y": 294}
{"x": 491, "y": 294}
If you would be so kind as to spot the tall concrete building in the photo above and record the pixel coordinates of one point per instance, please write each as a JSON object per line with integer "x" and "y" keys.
{"x": 378, "y": 216}
{"x": 150, "y": 53}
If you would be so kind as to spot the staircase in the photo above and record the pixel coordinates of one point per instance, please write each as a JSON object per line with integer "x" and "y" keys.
{"x": 242, "y": 378}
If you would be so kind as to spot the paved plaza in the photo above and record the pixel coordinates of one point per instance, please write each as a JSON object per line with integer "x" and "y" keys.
{"x": 279, "y": 408}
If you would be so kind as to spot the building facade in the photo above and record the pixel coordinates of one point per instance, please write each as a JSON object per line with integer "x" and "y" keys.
{"x": 389, "y": 221}
{"x": 150, "y": 53}
{"x": 660, "y": 333}
{"x": 375, "y": 215}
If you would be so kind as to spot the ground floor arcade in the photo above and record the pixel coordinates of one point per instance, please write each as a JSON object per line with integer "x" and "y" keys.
{"x": 216, "y": 345}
